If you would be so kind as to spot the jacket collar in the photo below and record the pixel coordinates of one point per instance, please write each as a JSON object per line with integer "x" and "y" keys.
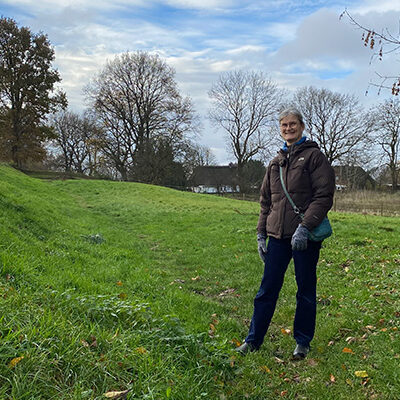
{"x": 295, "y": 148}
{"x": 286, "y": 148}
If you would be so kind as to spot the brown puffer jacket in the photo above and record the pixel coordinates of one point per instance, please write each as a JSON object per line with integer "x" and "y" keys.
{"x": 310, "y": 181}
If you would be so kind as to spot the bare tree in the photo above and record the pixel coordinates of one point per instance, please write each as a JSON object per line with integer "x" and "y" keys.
{"x": 244, "y": 104}
{"x": 381, "y": 44}
{"x": 137, "y": 102}
{"x": 195, "y": 155}
{"x": 337, "y": 122}
{"x": 387, "y": 123}
{"x": 78, "y": 139}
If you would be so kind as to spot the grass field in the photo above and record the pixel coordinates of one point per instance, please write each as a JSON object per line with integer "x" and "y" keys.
{"x": 110, "y": 286}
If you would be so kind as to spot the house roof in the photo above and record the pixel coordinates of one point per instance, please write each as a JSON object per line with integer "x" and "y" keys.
{"x": 355, "y": 174}
{"x": 215, "y": 175}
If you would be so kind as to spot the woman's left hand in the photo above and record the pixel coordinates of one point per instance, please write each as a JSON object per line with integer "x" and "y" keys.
{"x": 300, "y": 238}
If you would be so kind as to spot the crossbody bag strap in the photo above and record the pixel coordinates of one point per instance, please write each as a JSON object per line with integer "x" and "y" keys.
{"x": 295, "y": 208}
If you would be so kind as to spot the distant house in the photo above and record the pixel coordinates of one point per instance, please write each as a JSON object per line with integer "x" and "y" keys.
{"x": 352, "y": 177}
{"x": 215, "y": 179}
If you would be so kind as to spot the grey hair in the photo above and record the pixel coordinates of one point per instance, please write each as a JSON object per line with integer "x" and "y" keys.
{"x": 291, "y": 111}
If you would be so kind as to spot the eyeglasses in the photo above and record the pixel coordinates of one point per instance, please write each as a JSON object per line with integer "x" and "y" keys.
{"x": 289, "y": 125}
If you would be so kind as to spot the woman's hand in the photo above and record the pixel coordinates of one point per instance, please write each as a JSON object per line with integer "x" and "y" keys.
{"x": 300, "y": 238}
{"x": 262, "y": 246}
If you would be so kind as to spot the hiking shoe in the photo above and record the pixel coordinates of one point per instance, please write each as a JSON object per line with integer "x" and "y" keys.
{"x": 300, "y": 352}
{"x": 245, "y": 348}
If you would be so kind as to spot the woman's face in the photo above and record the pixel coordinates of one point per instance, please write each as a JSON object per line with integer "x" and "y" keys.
{"x": 291, "y": 129}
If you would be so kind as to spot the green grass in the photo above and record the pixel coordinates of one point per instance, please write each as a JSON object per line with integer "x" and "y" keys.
{"x": 110, "y": 286}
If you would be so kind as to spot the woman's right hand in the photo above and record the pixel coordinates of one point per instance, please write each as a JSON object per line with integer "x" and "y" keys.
{"x": 262, "y": 246}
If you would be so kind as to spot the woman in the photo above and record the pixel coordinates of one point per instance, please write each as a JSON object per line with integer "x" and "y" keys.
{"x": 310, "y": 182}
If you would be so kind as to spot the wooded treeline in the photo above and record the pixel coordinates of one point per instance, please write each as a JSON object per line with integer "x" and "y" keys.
{"x": 138, "y": 126}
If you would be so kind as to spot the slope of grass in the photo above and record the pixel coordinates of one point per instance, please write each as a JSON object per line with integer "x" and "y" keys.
{"x": 115, "y": 286}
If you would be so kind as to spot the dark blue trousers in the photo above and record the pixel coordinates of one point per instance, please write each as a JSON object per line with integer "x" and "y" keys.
{"x": 277, "y": 260}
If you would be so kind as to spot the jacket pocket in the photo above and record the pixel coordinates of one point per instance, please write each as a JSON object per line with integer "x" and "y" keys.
{"x": 298, "y": 180}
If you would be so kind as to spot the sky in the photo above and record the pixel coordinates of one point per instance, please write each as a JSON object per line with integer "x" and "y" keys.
{"x": 296, "y": 43}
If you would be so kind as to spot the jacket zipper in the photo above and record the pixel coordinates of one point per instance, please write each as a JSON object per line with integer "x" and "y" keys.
{"x": 284, "y": 208}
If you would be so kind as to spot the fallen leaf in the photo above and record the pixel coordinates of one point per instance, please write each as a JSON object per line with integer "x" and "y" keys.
{"x": 279, "y": 360}
{"x": 119, "y": 283}
{"x": 331, "y": 343}
{"x": 115, "y": 334}
{"x": 122, "y": 296}
{"x": 141, "y": 350}
{"x": 117, "y": 395}
{"x": 264, "y": 368}
{"x": 296, "y": 378}
{"x": 15, "y": 361}
{"x": 286, "y": 331}
{"x": 312, "y": 362}
{"x": 196, "y": 278}
{"x": 361, "y": 374}
{"x": 236, "y": 342}
{"x": 227, "y": 292}
{"x": 332, "y": 378}
{"x": 84, "y": 343}
{"x": 284, "y": 393}
{"x": 349, "y": 382}
{"x": 211, "y": 331}
{"x": 365, "y": 381}
{"x": 348, "y": 350}
{"x": 350, "y": 339}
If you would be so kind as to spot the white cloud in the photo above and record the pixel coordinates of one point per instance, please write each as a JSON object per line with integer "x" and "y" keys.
{"x": 246, "y": 49}
{"x": 382, "y": 6}
{"x": 201, "y": 4}
{"x": 45, "y": 6}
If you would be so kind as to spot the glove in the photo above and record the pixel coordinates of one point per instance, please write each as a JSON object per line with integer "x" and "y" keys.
{"x": 262, "y": 246}
{"x": 300, "y": 238}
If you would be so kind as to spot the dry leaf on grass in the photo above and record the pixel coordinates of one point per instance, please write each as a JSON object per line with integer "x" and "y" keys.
{"x": 361, "y": 374}
{"x": 141, "y": 350}
{"x": 348, "y": 350}
{"x": 15, "y": 361}
{"x": 117, "y": 395}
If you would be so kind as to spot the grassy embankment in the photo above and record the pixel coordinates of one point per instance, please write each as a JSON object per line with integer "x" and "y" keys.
{"x": 114, "y": 286}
